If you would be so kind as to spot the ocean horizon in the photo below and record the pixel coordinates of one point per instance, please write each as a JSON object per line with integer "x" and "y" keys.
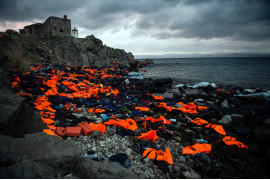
{"x": 248, "y": 72}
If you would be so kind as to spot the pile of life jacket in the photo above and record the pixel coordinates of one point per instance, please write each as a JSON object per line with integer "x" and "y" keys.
{"x": 57, "y": 90}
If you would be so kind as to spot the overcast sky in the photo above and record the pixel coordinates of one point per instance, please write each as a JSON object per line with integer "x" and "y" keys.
{"x": 154, "y": 27}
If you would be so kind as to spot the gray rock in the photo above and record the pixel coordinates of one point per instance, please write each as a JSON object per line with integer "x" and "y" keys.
{"x": 197, "y": 129}
{"x": 193, "y": 93}
{"x": 225, "y": 104}
{"x": 226, "y": 121}
{"x": 210, "y": 103}
{"x": 191, "y": 175}
{"x": 204, "y": 94}
{"x": 183, "y": 167}
{"x": 176, "y": 169}
{"x": 177, "y": 138}
{"x": 28, "y": 121}
{"x": 10, "y": 105}
{"x": 43, "y": 148}
{"x": 182, "y": 159}
{"x": 177, "y": 175}
{"x": 28, "y": 169}
{"x": 237, "y": 119}
{"x": 184, "y": 95}
{"x": 95, "y": 134}
{"x": 89, "y": 169}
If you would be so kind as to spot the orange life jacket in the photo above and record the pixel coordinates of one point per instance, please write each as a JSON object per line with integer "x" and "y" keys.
{"x": 161, "y": 118}
{"x": 98, "y": 127}
{"x": 50, "y": 132}
{"x": 231, "y": 141}
{"x": 150, "y": 135}
{"x": 199, "y": 121}
{"x": 142, "y": 108}
{"x": 217, "y": 128}
{"x": 127, "y": 124}
{"x": 158, "y": 97}
{"x": 197, "y": 148}
{"x": 158, "y": 155}
{"x": 96, "y": 110}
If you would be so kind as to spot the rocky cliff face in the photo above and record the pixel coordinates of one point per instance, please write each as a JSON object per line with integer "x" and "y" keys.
{"x": 24, "y": 50}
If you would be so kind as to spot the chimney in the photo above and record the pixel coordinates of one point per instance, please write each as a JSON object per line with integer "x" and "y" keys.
{"x": 65, "y": 16}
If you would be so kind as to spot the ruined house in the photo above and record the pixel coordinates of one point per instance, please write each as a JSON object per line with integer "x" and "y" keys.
{"x": 52, "y": 26}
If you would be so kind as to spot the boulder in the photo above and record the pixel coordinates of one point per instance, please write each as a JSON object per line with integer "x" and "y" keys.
{"x": 89, "y": 169}
{"x": 28, "y": 169}
{"x": 27, "y": 122}
{"x": 226, "y": 121}
{"x": 10, "y": 105}
{"x": 237, "y": 119}
{"x": 43, "y": 148}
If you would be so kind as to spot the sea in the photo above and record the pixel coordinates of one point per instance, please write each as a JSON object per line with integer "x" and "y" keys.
{"x": 247, "y": 72}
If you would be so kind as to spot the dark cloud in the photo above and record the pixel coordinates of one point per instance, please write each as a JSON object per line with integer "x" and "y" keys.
{"x": 163, "y": 19}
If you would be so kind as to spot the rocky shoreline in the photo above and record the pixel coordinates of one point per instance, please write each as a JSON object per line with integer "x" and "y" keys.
{"x": 243, "y": 113}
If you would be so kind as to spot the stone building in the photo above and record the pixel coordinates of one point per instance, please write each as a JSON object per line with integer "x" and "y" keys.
{"x": 52, "y": 26}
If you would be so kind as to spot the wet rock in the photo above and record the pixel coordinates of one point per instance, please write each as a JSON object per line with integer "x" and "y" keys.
{"x": 89, "y": 169}
{"x": 226, "y": 121}
{"x": 255, "y": 148}
{"x": 237, "y": 119}
{"x": 261, "y": 135}
{"x": 191, "y": 175}
{"x": 267, "y": 122}
{"x": 28, "y": 169}
{"x": 225, "y": 104}
{"x": 214, "y": 172}
{"x": 210, "y": 103}
{"x": 43, "y": 148}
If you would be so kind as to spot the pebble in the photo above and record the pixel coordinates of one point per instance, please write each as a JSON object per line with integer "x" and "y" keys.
{"x": 190, "y": 175}
{"x": 182, "y": 159}
{"x": 176, "y": 169}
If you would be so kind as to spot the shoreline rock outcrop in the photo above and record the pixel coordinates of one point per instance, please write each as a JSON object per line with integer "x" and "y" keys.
{"x": 23, "y": 50}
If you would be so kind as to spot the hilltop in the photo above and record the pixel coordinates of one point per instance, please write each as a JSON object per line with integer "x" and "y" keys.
{"x": 24, "y": 50}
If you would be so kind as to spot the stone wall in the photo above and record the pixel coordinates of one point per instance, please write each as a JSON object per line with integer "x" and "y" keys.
{"x": 57, "y": 26}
